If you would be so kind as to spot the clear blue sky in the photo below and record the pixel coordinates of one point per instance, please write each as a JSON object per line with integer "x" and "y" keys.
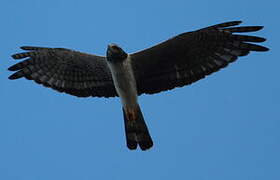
{"x": 224, "y": 127}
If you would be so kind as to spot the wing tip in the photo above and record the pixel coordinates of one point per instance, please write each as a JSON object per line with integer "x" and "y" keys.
{"x": 32, "y": 48}
{"x": 27, "y": 48}
{"x": 12, "y": 68}
{"x": 223, "y": 25}
{"x": 20, "y": 55}
{"x": 264, "y": 49}
{"x": 261, "y": 39}
{"x": 257, "y": 28}
{"x": 14, "y": 76}
{"x": 16, "y": 56}
{"x": 236, "y": 22}
{"x": 230, "y": 23}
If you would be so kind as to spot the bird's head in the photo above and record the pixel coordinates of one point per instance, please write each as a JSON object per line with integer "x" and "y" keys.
{"x": 115, "y": 53}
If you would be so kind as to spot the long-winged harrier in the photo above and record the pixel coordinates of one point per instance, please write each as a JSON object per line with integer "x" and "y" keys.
{"x": 177, "y": 62}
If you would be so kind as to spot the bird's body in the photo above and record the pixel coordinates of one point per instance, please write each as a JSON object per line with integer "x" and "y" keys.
{"x": 177, "y": 62}
{"x": 124, "y": 81}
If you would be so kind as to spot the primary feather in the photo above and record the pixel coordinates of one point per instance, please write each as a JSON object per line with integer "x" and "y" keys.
{"x": 65, "y": 70}
{"x": 191, "y": 56}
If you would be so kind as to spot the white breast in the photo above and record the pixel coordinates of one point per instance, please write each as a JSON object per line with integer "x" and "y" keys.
{"x": 124, "y": 82}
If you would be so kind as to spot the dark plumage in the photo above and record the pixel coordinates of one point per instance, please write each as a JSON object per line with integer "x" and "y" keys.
{"x": 65, "y": 70}
{"x": 136, "y": 131}
{"x": 177, "y": 62}
{"x": 191, "y": 56}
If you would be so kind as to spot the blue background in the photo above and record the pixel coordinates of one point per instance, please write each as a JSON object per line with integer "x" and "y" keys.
{"x": 224, "y": 127}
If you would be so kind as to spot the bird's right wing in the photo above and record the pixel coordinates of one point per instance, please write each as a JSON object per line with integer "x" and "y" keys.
{"x": 191, "y": 56}
{"x": 65, "y": 70}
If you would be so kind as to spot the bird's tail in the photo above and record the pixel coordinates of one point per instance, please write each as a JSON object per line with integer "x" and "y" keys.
{"x": 136, "y": 130}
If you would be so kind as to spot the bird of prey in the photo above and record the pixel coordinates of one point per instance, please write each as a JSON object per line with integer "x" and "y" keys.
{"x": 179, "y": 61}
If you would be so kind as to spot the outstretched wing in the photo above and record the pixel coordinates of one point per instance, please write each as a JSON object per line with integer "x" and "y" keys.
{"x": 191, "y": 56}
{"x": 65, "y": 70}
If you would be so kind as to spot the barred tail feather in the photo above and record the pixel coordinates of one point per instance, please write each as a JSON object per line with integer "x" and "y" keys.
{"x": 136, "y": 130}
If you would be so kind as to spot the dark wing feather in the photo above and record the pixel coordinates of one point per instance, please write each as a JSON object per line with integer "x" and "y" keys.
{"x": 65, "y": 70}
{"x": 191, "y": 56}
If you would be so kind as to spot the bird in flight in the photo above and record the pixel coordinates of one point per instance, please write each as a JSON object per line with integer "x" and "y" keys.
{"x": 179, "y": 61}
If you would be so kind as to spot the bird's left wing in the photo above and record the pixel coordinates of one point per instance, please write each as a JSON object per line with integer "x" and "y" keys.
{"x": 191, "y": 56}
{"x": 65, "y": 70}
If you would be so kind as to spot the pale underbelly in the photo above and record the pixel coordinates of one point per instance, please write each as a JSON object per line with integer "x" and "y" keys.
{"x": 125, "y": 83}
